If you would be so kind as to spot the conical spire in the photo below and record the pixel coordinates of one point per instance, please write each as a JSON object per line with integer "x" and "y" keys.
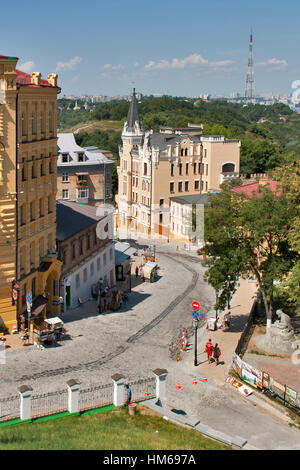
{"x": 133, "y": 115}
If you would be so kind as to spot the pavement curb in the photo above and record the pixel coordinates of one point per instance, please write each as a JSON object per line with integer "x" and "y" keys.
{"x": 193, "y": 422}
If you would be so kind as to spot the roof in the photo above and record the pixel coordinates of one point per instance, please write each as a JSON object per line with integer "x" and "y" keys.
{"x": 120, "y": 257}
{"x": 133, "y": 114}
{"x": 25, "y": 79}
{"x": 124, "y": 247}
{"x": 191, "y": 198}
{"x": 67, "y": 144}
{"x": 73, "y": 217}
{"x": 8, "y": 57}
{"x": 253, "y": 189}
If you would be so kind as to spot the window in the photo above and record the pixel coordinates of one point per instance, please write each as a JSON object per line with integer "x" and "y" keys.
{"x": 186, "y": 186}
{"x": 31, "y": 254}
{"x": 73, "y": 251}
{"x": 23, "y": 125}
{"x": 49, "y": 243}
{"x": 206, "y": 186}
{"x": 21, "y": 259}
{"x": 41, "y": 208}
{"x": 180, "y": 168}
{"x": 182, "y": 152}
{"x": 199, "y": 168}
{"x": 197, "y": 184}
{"x": 161, "y": 218}
{"x": 186, "y": 152}
{"x": 84, "y": 275}
{"x": 22, "y": 214}
{"x": 42, "y": 168}
{"x": 65, "y": 158}
{"x": 82, "y": 193}
{"x": 77, "y": 281}
{"x": 145, "y": 169}
{"x": 40, "y": 249}
{"x": 80, "y": 246}
{"x": 23, "y": 170}
{"x": 65, "y": 177}
{"x": 31, "y": 211}
{"x": 33, "y": 169}
{"x": 64, "y": 255}
{"x": 23, "y": 294}
{"x": 50, "y": 167}
{"x": 33, "y": 287}
{"x": 92, "y": 269}
{"x": 206, "y": 169}
{"x": 50, "y": 121}
{"x": 180, "y": 186}
{"x": 172, "y": 187}
{"x": 41, "y": 123}
{"x": 104, "y": 259}
{"x": 81, "y": 157}
{"x": 32, "y": 124}
{"x": 172, "y": 169}
{"x": 98, "y": 264}
{"x": 95, "y": 238}
{"x": 49, "y": 204}
{"x": 195, "y": 168}
{"x": 186, "y": 168}
{"x": 65, "y": 194}
{"x": 161, "y": 202}
{"x": 88, "y": 242}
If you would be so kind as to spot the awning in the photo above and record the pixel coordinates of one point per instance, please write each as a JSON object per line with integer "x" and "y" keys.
{"x": 38, "y": 304}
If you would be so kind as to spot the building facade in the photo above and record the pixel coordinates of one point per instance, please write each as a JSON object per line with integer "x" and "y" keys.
{"x": 28, "y": 156}
{"x": 87, "y": 256}
{"x": 157, "y": 166}
{"x": 84, "y": 174}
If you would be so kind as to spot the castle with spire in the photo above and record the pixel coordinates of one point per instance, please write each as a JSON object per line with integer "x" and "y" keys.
{"x": 157, "y": 168}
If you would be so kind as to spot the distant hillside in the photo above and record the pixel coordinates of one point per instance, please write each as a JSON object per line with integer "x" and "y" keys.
{"x": 265, "y": 145}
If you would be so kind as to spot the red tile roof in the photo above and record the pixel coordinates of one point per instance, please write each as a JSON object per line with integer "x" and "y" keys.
{"x": 25, "y": 79}
{"x": 251, "y": 189}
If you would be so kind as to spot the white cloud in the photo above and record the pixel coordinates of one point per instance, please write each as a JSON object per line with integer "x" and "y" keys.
{"x": 193, "y": 59}
{"x": 69, "y": 65}
{"x": 26, "y": 67}
{"x": 276, "y": 64}
{"x": 114, "y": 67}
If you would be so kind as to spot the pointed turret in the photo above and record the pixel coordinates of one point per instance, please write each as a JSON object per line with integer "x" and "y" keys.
{"x": 133, "y": 126}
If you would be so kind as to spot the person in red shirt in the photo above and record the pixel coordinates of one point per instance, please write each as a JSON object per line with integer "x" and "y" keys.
{"x": 209, "y": 350}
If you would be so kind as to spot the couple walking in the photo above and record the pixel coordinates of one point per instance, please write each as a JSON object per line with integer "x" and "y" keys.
{"x": 212, "y": 351}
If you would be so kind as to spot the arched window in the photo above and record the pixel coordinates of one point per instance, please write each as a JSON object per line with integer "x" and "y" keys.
{"x": 186, "y": 152}
{"x": 182, "y": 152}
{"x": 228, "y": 168}
{"x": 145, "y": 169}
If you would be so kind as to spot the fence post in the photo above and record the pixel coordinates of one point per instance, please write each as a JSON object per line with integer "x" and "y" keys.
{"x": 73, "y": 396}
{"x": 118, "y": 381}
{"x": 161, "y": 375}
{"x": 25, "y": 404}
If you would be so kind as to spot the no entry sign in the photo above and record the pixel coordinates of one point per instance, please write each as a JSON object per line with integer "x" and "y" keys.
{"x": 195, "y": 305}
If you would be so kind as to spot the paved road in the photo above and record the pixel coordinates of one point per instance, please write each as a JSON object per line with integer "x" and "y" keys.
{"x": 134, "y": 341}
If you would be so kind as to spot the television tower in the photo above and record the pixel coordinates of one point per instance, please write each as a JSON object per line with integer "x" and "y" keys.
{"x": 250, "y": 76}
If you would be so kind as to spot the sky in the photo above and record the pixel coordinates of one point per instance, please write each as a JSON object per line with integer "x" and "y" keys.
{"x": 175, "y": 47}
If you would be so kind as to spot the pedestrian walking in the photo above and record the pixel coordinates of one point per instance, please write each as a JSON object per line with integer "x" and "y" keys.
{"x": 209, "y": 350}
{"x": 136, "y": 271}
{"x": 128, "y": 395}
{"x": 217, "y": 354}
{"x": 183, "y": 340}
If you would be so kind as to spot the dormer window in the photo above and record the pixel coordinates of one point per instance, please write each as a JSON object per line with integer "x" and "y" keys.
{"x": 81, "y": 157}
{"x": 65, "y": 158}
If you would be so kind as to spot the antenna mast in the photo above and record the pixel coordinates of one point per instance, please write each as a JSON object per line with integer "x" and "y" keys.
{"x": 250, "y": 76}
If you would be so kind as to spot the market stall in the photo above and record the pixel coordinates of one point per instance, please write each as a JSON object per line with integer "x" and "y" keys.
{"x": 150, "y": 271}
{"x": 49, "y": 331}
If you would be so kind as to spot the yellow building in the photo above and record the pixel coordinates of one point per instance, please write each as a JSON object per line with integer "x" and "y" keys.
{"x": 28, "y": 159}
{"x": 156, "y": 166}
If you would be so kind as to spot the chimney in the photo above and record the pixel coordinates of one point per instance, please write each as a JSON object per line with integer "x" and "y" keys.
{"x": 52, "y": 79}
{"x": 36, "y": 78}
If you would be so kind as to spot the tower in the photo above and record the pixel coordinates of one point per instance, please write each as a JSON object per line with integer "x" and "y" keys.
{"x": 133, "y": 131}
{"x": 249, "y": 91}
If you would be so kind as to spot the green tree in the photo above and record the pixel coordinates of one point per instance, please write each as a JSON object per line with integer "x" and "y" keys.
{"x": 249, "y": 237}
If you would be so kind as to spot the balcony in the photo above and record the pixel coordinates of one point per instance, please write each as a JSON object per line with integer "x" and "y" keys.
{"x": 229, "y": 175}
{"x": 82, "y": 183}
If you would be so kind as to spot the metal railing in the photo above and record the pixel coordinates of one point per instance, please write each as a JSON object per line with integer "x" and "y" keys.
{"x": 9, "y": 408}
{"x": 49, "y": 403}
{"x": 95, "y": 397}
{"x": 141, "y": 387}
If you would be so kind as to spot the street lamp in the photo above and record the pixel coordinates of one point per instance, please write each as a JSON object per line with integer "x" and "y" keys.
{"x": 195, "y": 325}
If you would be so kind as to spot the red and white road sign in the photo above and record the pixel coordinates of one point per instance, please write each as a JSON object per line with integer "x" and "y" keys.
{"x": 195, "y": 305}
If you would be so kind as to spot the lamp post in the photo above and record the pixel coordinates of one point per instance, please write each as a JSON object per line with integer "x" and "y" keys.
{"x": 195, "y": 325}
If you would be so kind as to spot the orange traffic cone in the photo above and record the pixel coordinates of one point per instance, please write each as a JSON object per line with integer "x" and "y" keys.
{"x": 146, "y": 393}
{"x": 178, "y": 386}
{"x": 195, "y": 381}
{"x": 204, "y": 379}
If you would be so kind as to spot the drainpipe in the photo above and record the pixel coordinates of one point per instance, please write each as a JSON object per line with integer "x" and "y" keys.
{"x": 17, "y": 206}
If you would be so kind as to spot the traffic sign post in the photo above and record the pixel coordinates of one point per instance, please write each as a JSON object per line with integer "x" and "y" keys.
{"x": 29, "y": 305}
{"x": 196, "y": 307}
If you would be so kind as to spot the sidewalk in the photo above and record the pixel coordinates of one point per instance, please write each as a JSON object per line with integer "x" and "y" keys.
{"x": 241, "y": 305}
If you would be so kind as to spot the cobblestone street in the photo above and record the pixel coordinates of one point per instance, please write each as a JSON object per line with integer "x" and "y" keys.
{"x": 135, "y": 340}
